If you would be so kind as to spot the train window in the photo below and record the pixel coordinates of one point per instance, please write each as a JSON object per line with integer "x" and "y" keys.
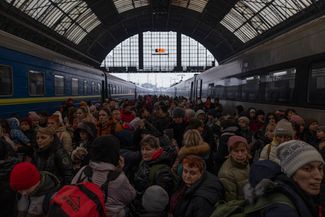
{"x": 93, "y": 90}
{"x": 36, "y": 83}
{"x": 98, "y": 88}
{"x": 232, "y": 88}
{"x": 279, "y": 85}
{"x": 316, "y": 89}
{"x": 75, "y": 86}
{"x": 85, "y": 88}
{"x": 58, "y": 85}
{"x": 250, "y": 86}
{"x": 5, "y": 81}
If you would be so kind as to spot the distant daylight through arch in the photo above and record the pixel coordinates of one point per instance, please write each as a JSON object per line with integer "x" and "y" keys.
{"x": 159, "y": 52}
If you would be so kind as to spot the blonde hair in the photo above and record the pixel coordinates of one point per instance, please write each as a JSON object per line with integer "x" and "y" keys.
{"x": 192, "y": 137}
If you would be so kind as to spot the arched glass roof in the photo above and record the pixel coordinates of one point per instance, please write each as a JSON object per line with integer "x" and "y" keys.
{"x": 250, "y": 18}
{"x": 96, "y": 26}
{"x": 72, "y": 19}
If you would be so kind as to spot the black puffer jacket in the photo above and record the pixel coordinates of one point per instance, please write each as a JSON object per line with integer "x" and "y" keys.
{"x": 154, "y": 172}
{"x": 7, "y": 196}
{"x": 56, "y": 160}
{"x": 199, "y": 199}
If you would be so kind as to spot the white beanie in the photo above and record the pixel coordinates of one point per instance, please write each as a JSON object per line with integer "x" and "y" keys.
{"x": 294, "y": 154}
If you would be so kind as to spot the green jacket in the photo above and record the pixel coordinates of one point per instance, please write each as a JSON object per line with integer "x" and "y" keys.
{"x": 233, "y": 177}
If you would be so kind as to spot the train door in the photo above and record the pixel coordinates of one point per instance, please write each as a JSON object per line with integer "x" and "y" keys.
{"x": 103, "y": 90}
{"x": 210, "y": 89}
{"x": 200, "y": 88}
{"x": 192, "y": 90}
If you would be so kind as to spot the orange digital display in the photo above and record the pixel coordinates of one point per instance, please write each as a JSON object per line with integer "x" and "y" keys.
{"x": 160, "y": 50}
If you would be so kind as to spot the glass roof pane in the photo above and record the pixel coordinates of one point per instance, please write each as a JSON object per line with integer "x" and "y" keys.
{"x": 125, "y": 5}
{"x": 253, "y": 17}
{"x": 140, "y": 3}
{"x": 180, "y": 3}
{"x": 70, "y": 18}
{"x": 196, "y": 5}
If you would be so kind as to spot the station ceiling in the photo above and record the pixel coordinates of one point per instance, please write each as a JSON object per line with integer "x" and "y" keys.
{"x": 88, "y": 30}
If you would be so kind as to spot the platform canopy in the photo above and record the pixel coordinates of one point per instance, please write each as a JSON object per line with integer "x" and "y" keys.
{"x": 89, "y": 29}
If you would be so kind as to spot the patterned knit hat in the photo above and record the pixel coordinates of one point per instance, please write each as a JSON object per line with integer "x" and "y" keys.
{"x": 294, "y": 154}
{"x": 284, "y": 128}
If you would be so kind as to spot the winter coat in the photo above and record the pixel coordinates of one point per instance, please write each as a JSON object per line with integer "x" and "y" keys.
{"x": 233, "y": 177}
{"x": 15, "y": 132}
{"x": 7, "y": 196}
{"x": 56, "y": 160}
{"x": 65, "y": 139}
{"x": 199, "y": 199}
{"x": 120, "y": 191}
{"x": 159, "y": 170}
{"x": 272, "y": 154}
{"x": 271, "y": 180}
{"x": 32, "y": 205}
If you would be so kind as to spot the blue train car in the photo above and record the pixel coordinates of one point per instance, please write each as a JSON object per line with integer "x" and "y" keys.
{"x": 33, "y": 78}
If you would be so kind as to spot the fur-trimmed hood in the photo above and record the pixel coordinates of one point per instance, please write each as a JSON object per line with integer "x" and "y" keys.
{"x": 202, "y": 149}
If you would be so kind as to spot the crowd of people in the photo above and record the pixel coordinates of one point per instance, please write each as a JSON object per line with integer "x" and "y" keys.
{"x": 159, "y": 157}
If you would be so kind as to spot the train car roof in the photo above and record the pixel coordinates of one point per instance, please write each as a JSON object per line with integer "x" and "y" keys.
{"x": 13, "y": 42}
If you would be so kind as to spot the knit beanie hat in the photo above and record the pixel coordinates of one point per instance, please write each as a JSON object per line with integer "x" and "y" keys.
{"x": 295, "y": 154}
{"x": 296, "y": 119}
{"x": 233, "y": 140}
{"x": 89, "y": 127}
{"x": 178, "y": 112}
{"x": 199, "y": 112}
{"x": 244, "y": 118}
{"x": 23, "y": 176}
{"x": 34, "y": 116}
{"x": 284, "y": 128}
{"x": 105, "y": 149}
{"x": 46, "y": 130}
{"x": 155, "y": 199}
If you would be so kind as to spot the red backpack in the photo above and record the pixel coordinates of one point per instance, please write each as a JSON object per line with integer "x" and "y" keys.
{"x": 80, "y": 200}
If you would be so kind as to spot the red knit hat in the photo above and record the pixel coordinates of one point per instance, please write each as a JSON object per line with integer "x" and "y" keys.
{"x": 23, "y": 176}
{"x": 234, "y": 140}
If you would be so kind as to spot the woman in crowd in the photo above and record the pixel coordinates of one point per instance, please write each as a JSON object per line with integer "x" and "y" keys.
{"x": 283, "y": 132}
{"x": 55, "y": 121}
{"x": 234, "y": 172}
{"x": 300, "y": 182}
{"x": 199, "y": 191}
{"x": 105, "y": 170}
{"x": 50, "y": 156}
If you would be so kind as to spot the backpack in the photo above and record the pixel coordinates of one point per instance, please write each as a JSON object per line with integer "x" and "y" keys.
{"x": 88, "y": 172}
{"x": 83, "y": 199}
{"x": 241, "y": 208}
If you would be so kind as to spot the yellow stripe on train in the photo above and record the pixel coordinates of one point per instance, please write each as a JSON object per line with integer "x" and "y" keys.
{"x": 30, "y": 100}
